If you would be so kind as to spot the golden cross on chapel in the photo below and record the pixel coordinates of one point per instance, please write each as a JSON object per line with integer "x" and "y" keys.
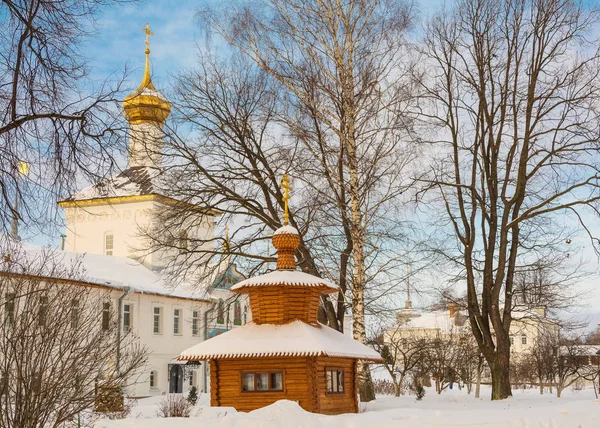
{"x": 285, "y": 185}
{"x": 149, "y": 33}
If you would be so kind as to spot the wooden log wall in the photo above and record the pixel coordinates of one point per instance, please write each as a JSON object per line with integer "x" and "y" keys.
{"x": 281, "y": 305}
{"x": 226, "y": 382}
{"x": 334, "y": 404}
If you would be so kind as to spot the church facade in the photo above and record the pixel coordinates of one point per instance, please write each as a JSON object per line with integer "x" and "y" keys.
{"x": 105, "y": 227}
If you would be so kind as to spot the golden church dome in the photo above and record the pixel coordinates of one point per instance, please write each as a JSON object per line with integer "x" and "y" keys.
{"x": 146, "y": 104}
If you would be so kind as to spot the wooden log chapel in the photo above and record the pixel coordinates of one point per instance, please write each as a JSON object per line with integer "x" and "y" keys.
{"x": 284, "y": 352}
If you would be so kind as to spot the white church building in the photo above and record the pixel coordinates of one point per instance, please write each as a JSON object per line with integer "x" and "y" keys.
{"x": 102, "y": 232}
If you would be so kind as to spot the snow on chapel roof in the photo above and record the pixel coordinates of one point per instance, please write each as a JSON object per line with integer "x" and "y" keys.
{"x": 269, "y": 340}
{"x": 286, "y": 277}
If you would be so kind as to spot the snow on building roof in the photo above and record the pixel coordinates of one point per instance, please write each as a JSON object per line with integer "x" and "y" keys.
{"x": 269, "y": 340}
{"x": 139, "y": 180}
{"x": 435, "y": 320}
{"x": 107, "y": 271}
{"x": 286, "y": 277}
{"x": 581, "y": 350}
{"x": 286, "y": 229}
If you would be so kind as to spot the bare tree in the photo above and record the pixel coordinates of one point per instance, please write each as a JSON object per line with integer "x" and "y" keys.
{"x": 57, "y": 342}
{"x": 513, "y": 87}
{"x": 470, "y": 363}
{"x": 51, "y": 118}
{"x": 442, "y": 357}
{"x": 570, "y": 364}
{"x": 404, "y": 355}
{"x": 340, "y": 65}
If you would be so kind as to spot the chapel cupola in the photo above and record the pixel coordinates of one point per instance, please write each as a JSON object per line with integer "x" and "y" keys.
{"x": 285, "y": 295}
{"x": 146, "y": 110}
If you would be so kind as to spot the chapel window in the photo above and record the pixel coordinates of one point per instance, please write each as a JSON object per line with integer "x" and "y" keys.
{"x": 260, "y": 382}
{"x": 109, "y": 242}
{"x": 157, "y": 320}
{"x": 524, "y": 339}
{"x": 152, "y": 379}
{"x": 334, "y": 380}
{"x": 221, "y": 312}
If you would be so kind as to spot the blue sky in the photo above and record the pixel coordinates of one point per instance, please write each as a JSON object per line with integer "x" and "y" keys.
{"x": 119, "y": 43}
{"x": 119, "y": 40}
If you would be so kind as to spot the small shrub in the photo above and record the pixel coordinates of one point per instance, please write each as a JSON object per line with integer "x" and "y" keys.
{"x": 174, "y": 406}
{"x": 383, "y": 387}
{"x": 193, "y": 396}
{"x": 109, "y": 399}
{"x": 419, "y": 391}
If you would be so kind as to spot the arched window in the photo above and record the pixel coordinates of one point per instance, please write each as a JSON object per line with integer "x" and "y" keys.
{"x": 152, "y": 379}
{"x": 109, "y": 243}
{"x": 237, "y": 314}
{"x": 221, "y": 312}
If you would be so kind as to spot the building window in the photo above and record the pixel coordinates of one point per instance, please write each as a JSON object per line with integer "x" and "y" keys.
{"x": 524, "y": 339}
{"x": 184, "y": 242}
{"x": 3, "y": 383}
{"x": 177, "y": 321}
{"x": 237, "y": 313}
{"x": 245, "y": 314}
{"x": 335, "y": 381}
{"x": 74, "y": 313}
{"x": 157, "y": 320}
{"x": 9, "y": 308}
{"x": 127, "y": 316}
{"x": 221, "y": 312}
{"x": 260, "y": 382}
{"x": 109, "y": 242}
{"x": 195, "y": 323}
{"x": 43, "y": 311}
{"x": 152, "y": 379}
{"x": 512, "y": 340}
{"x": 106, "y": 316}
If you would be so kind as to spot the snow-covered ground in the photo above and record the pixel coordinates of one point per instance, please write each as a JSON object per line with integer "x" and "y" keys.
{"x": 453, "y": 408}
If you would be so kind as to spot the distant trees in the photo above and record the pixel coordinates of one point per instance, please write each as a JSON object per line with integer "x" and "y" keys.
{"x": 405, "y": 357}
{"x": 512, "y": 89}
{"x": 50, "y": 119}
{"x": 58, "y": 342}
{"x": 415, "y": 355}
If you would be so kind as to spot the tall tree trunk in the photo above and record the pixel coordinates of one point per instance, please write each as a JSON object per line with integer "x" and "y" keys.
{"x": 500, "y": 377}
{"x": 365, "y": 382}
